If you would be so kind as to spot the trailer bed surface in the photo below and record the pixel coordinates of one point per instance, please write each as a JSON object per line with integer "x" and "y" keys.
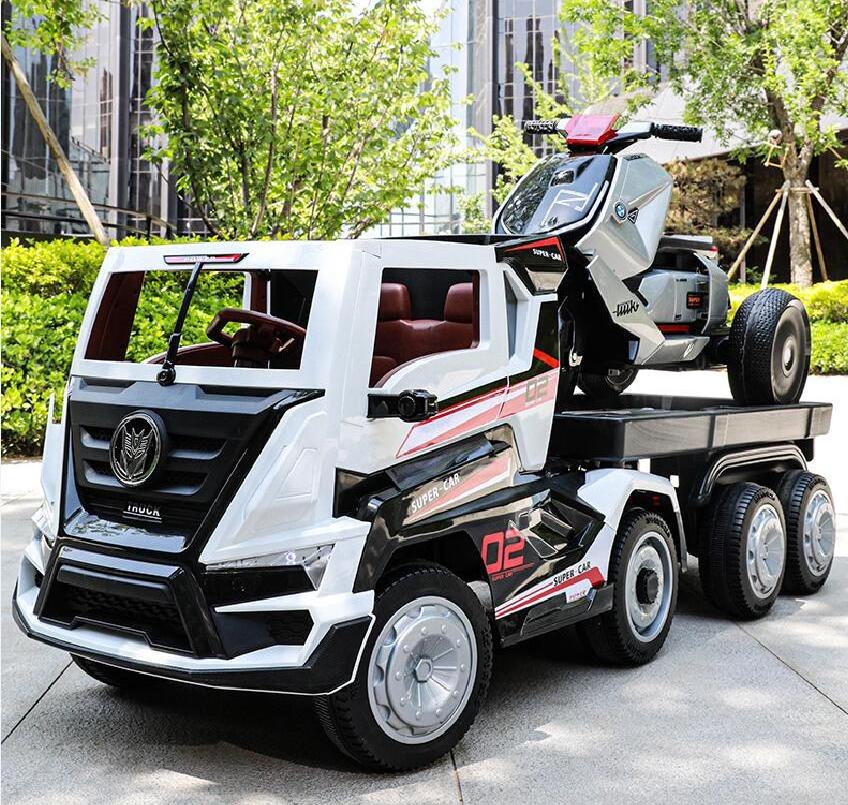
{"x": 654, "y": 426}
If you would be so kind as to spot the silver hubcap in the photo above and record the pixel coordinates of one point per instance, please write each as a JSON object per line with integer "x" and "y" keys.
{"x": 648, "y": 586}
{"x": 422, "y": 670}
{"x": 766, "y": 551}
{"x": 819, "y": 533}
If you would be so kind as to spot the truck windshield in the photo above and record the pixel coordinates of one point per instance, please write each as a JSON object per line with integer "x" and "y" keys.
{"x": 254, "y": 319}
{"x": 558, "y": 191}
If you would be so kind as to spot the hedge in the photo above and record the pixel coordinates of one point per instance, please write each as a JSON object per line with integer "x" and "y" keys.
{"x": 46, "y": 288}
{"x": 825, "y": 301}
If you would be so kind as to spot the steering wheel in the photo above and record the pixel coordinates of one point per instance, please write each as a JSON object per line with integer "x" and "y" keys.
{"x": 265, "y": 337}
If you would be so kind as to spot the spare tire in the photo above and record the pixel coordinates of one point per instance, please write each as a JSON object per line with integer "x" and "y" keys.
{"x": 769, "y": 349}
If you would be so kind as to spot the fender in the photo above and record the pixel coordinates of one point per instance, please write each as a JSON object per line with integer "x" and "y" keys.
{"x": 609, "y": 491}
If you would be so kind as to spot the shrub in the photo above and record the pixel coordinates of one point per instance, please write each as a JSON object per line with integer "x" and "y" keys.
{"x": 830, "y": 348}
{"x": 825, "y": 301}
{"x": 51, "y": 267}
{"x": 39, "y": 334}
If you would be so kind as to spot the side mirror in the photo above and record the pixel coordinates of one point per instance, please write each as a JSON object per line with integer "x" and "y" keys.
{"x": 411, "y": 405}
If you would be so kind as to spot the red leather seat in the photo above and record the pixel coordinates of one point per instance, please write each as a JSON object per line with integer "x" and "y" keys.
{"x": 400, "y": 338}
{"x": 395, "y": 308}
{"x": 457, "y": 331}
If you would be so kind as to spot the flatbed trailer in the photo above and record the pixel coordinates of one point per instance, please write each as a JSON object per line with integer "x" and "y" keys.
{"x": 702, "y": 444}
{"x": 634, "y": 427}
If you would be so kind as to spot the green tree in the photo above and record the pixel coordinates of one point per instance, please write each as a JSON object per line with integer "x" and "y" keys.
{"x": 775, "y": 65}
{"x": 298, "y": 118}
{"x": 54, "y": 28}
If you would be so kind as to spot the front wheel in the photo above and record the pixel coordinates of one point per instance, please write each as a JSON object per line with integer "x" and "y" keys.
{"x": 643, "y": 570}
{"x": 422, "y": 677}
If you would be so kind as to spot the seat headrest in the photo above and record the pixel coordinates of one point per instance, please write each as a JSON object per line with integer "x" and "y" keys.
{"x": 459, "y": 303}
{"x": 394, "y": 302}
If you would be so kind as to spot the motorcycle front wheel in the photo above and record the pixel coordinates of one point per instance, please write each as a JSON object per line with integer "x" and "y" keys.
{"x": 604, "y": 387}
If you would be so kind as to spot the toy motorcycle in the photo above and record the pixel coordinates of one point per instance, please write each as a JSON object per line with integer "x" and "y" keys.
{"x": 631, "y": 297}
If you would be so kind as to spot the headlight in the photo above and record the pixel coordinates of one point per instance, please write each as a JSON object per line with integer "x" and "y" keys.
{"x": 312, "y": 560}
{"x": 41, "y": 520}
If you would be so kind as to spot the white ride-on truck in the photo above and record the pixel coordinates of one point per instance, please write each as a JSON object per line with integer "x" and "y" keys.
{"x": 371, "y": 484}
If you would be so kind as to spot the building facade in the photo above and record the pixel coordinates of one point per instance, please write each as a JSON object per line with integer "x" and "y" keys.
{"x": 483, "y": 40}
{"x": 99, "y": 121}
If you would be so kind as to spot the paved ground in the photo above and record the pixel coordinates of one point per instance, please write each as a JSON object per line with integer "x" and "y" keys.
{"x": 749, "y": 713}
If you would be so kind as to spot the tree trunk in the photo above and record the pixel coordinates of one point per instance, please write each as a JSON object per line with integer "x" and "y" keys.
{"x": 800, "y": 251}
{"x": 76, "y": 188}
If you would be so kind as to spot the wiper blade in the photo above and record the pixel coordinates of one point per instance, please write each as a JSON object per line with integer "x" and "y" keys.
{"x": 168, "y": 373}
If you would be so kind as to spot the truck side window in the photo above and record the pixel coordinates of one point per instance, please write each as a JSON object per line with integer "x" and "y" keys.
{"x": 423, "y": 312}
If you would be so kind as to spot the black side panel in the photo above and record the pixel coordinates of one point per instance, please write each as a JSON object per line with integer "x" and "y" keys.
{"x": 524, "y": 528}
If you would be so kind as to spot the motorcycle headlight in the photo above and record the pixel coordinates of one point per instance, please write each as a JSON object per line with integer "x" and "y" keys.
{"x": 312, "y": 560}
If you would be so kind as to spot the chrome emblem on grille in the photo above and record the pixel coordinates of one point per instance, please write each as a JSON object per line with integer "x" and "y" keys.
{"x": 136, "y": 448}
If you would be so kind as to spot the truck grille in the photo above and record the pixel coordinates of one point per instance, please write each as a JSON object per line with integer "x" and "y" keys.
{"x": 208, "y": 432}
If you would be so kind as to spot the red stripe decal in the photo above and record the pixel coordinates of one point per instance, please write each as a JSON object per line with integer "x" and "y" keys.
{"x": 592, "y": 574}
{"x": 466, "y": 404}
{"x": 545, "y": 358}
{"x": 537, "y": 244}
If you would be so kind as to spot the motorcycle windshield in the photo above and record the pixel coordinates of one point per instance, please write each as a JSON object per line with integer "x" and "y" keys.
{"x": 559, "y": 191}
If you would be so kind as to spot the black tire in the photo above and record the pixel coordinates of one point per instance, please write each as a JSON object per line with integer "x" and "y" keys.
{"x": 613, "y": 636}
{"x": 347, "y": 715}
{"x": 607, "y": 386}
{"x": 806, "y": 569}
{"x": 110, "y": 675}
{"x": 769, "y": 349}
{"x": 724, "y": 551}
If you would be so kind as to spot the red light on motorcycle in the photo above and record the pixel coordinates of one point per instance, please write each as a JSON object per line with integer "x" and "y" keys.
{"x": 590, "y": 130}
{"x": 191, "y": 259}
{"x": 694, "y": 301}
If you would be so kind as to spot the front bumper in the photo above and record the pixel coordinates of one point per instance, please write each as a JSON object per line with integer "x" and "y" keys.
{"x": 325, "y": 660}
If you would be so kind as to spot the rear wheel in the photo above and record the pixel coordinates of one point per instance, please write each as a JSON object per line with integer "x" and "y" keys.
{"x": 743, "y": 550}
{"x": 422, "y": 677}
{"x": 643, "y": 570}
{"x": 810, "y": 531}
{"x": 769, "y": 349}
{"x": 606, "y": 386}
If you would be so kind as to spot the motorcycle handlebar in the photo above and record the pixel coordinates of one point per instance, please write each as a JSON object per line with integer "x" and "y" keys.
{"x": 541, "y": 126}
{"x": 687, "y": 134}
